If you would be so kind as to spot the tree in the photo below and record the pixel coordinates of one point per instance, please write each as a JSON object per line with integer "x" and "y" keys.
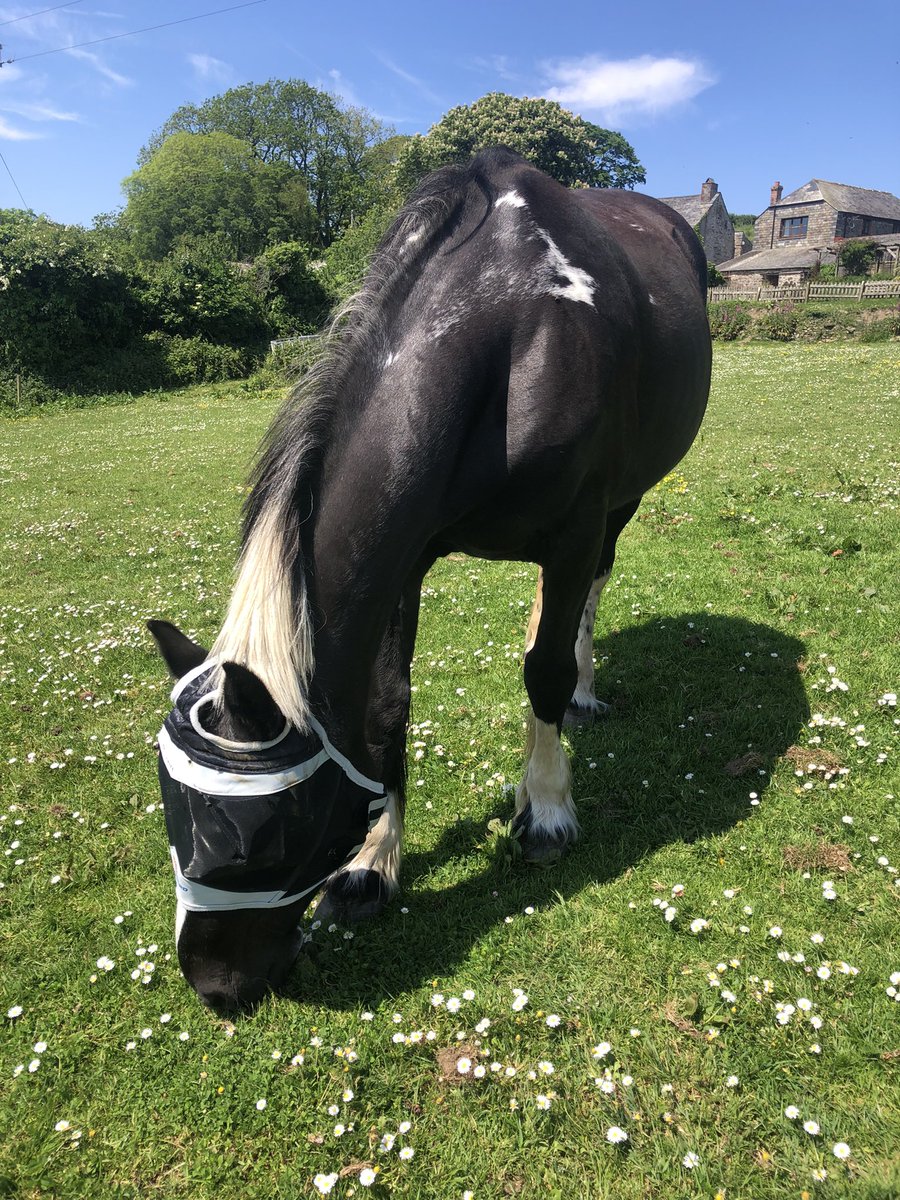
{"x": 856, "y": 256}
{"x": 66, "y": 303}
{"x": 325, "y": 142}
{"x": 568, "y": 148}
{"x": 295, "y": 297}
{"x": 212, "y": 184}
{"x": 195, "y": 293}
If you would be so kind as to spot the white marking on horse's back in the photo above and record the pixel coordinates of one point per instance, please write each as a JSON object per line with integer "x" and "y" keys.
{"x": 513, "y": 199}
{"x": 413, "y": 237}
{"x": 579, "y": 286}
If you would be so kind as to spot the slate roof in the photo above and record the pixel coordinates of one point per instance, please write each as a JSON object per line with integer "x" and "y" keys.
{"x": 692, "y": 208}
{"x": 780, "y": 258}
{"x": 864, "y": 202}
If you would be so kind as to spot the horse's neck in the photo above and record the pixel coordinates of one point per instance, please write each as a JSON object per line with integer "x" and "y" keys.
{"x": 368, "y": 532}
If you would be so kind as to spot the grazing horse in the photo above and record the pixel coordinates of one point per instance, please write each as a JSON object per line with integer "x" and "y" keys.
{"x": 521, "y": 364}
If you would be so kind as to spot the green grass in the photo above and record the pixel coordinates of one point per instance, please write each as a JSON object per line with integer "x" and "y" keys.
{"x": 758, "y": 580}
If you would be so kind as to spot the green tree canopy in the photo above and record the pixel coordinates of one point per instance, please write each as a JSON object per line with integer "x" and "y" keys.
{"x": 64, "y": 301}
{"x": 567, "y": 147}
{"x": 212, "y": 184}
{"x": 288, "y": 122}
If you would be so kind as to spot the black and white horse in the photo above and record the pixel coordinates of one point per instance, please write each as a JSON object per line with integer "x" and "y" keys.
{"x": 522, "y": 363}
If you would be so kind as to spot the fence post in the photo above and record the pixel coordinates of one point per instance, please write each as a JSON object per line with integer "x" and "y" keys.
{"x": 862, "y": 290}
{"x": 806, "y": 293}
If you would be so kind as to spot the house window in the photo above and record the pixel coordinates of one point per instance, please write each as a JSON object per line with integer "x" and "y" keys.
{"x": 794, "y": 228}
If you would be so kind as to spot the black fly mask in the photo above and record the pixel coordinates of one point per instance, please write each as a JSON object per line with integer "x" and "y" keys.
{"x": 256, "y": 824}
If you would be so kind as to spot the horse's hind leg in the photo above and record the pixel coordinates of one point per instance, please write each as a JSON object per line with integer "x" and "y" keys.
{"x": 545, "y": 813}
{"x": 584, "y": 705}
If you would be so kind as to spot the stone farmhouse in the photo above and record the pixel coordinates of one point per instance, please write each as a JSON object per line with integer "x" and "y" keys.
{"x": 801, "y": 231}
{"x": 709, "y": 217}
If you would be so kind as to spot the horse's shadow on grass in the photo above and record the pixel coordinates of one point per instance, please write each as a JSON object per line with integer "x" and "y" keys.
{"x": 702, "y": 707}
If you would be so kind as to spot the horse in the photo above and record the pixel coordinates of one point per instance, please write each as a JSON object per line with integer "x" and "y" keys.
{"x": 522, "y": 363}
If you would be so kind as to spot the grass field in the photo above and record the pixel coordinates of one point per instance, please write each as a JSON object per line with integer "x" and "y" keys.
{"x": 718, "y": 948}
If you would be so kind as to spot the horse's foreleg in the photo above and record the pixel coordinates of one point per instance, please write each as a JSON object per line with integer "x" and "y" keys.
{"x": 545, "y": 814}
{"x": 364, "y": 886}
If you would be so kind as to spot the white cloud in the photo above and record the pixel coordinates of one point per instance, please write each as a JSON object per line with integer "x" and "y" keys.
{"x": 37, "y": 112}
{"x": 11, "y": 134}
{"x": 644, "y": 86}
{"x": 419, "y": 84}
{"x": 343, "y": 88}
{"x": 494, "y": 64}
{"x": 100, "y": 67}
{"x": 209, "y": 68}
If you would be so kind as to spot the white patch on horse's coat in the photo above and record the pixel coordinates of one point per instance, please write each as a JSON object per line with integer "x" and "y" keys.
{"x": 579, "y": 286}
{"x": 634, "y": 225}
{"x": 180, "y": 914}
{"x": 584, "y": 696}
{"x": 652, "y": 299}
{"x": 390, "y": 358}
{"x": 413, "y": 237}
{"x": 547, "y": 784}
{"x": 513, "y": 199}
{"x": 381, "y": 851}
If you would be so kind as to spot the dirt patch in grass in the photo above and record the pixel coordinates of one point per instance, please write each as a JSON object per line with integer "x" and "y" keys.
{"x": 747, "y": 762}
{"x": 823, "y": 762}
{"x": 447, "y": 1058}
{"x": 823, "y": 856}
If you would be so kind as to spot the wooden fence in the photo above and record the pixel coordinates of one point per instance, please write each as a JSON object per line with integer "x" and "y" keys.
{"x": 811, "y": 291}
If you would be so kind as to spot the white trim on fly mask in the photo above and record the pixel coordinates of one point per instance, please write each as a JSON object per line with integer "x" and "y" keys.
{"x": 216, "y": 782}
{"x": 197, "y": 897}
{"x": 289, "y": 777}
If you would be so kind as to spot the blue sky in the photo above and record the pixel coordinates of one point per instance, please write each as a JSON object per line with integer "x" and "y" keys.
{"x": 747, "y": 94}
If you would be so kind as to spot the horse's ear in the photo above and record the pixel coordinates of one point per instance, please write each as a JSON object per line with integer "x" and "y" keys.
{"x": 246, "y": 699}
{"x": 179, "y": 653}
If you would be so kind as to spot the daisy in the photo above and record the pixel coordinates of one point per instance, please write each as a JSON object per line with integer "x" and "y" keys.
{"x": 406, "y": 1153}
{"x": 552, "y": 1021}
{"x": 367, "y": 1177}
{"x": 792, "y": 1112}
{"x": 261, "y": 1104}
{"x": 699, "y": 924}
{"x": 463, "y": 1065}
{"x": 691, "y": 1160}
{"x": 811, "y": 1127}
{"x": 324, "y": 1183}
{"x": 542, "y": 1102}
{"x": 840, "y": 1150}
{"x": 601, "y": 1050}
{"x": 615, "y": 1135}
{"x": 546, "y": 1068}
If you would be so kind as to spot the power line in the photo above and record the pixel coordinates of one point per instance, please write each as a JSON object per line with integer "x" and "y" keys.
{"x": 40, "y": 12}
{"x": 12, "y": 177}
{"x": 133, "y": 32}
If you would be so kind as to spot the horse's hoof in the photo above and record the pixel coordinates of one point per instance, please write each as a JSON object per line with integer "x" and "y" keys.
{"x": 585, "y": 714}
{"x": 353, "y": 896}
{"x": 540, "y": 847}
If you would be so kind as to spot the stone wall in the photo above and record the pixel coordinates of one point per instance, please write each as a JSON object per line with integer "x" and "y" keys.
{"x": 849, "y": 225}
{"x": 717, "y": 232}
{"x": 820, "y": 230}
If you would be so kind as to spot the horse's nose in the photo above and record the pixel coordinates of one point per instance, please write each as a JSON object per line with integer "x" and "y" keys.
{"x": 231, "y": 1001}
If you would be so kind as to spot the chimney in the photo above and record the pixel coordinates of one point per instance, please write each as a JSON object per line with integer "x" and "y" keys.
{"x": 775, "y": 195}
{"x": 708, "y": 191}
{"x": 741, "y": 243}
